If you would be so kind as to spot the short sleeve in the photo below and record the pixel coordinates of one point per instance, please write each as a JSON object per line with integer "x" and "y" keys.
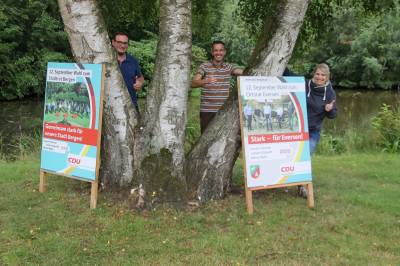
{"x": 234, "y": 67}
{"x": 201, "y": 70}
{"x": 138, "y": 70}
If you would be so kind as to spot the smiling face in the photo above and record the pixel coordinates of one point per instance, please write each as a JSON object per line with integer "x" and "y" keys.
{"x": 120, "y": 44}
{"x": 320, "y": 77}
{"x": 218, "y": 52}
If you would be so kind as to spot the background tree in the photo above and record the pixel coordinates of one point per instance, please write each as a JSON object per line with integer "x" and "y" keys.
{"x": 344, "y": 33}
{"x": 363, "y": 50}
{"x": 239, "y": 41}
{"x": 31, "y": 34}
{"x": 137, "y": 18}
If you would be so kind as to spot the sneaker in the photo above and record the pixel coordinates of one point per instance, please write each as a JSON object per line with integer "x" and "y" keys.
{"x": 302, "y": 191}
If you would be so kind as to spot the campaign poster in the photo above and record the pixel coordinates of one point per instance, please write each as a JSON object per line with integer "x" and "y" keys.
{"x": 274, "y": 130}
{"x": 71, "y": 119}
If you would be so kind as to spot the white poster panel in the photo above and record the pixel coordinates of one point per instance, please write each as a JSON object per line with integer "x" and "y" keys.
{"x": 274, "y": 130}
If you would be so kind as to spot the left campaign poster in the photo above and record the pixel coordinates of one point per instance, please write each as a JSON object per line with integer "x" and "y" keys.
{"x": 72, "y": 120}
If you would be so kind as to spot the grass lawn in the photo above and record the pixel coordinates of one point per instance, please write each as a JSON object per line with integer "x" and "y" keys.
{"x": 356, "y": 221}
{"x": 79, "y": 121}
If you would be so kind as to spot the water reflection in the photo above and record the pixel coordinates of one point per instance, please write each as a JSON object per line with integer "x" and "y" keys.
{"x": 356, "y": 108}
{"x": 20, "y": 117}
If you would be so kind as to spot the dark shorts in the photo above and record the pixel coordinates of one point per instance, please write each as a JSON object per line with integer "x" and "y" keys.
{"x": 205, "y": 119}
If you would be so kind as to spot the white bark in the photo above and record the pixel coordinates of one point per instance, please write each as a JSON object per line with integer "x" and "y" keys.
{"x": 273, "y": 59}
{"x": 165, "y": 117}
{"x": 210, "y": 163}
{"x": 90, "y": 44}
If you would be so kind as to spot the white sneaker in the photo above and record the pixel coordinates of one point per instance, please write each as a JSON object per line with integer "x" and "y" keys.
{"x": 302, "y": 191}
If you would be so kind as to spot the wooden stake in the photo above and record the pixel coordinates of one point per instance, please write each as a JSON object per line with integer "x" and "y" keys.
{"x": 93, "y": 194}
{"x": 310, "y": 195}
{"x": 95, "y": 184}
{"x": 248, "y": 192}
{"x": 249, "y": 201}
{"x": 42, "y": 182}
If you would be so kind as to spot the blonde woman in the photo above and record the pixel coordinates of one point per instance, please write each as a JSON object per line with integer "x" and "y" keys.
{"x": 321, "y": 100}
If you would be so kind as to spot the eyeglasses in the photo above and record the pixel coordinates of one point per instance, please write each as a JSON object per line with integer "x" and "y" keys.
{"x": 123, "y": 43}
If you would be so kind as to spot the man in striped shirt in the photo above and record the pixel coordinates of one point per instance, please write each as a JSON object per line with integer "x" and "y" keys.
{"x": 214, "y": 77}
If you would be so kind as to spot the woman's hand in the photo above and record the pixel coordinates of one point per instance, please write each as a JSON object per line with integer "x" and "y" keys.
{"x": 329, "y": 106}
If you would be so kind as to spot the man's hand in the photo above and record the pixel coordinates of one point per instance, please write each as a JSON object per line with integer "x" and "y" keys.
{"x": 139, "y": 83}
{"x": 329, "y": 106}
{"x": 198, "y": 82}
{"x": 209, "y": 80}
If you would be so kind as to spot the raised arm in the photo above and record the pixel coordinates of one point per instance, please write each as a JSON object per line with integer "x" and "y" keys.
{"x": 139, "y": 83}
{"x": 198, "y": 82}
{"x": 237, "y": 71}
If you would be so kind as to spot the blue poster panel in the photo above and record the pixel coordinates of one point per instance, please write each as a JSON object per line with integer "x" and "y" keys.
{"x": 274, "y": 130}
{"x": 71, "y": 120}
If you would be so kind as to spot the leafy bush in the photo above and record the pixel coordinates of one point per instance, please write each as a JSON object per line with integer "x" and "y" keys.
{"x": 387, "y": 126}
{"x": 363, "y": 49}
{"x": 145, "y": 52}
{"x": 31, "y": 34}
{"x": 330, "y": 145}
{"x": 20, "y": 145}
{"x": 353, "y": 139}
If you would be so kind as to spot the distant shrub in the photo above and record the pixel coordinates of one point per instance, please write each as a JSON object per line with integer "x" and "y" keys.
{"x": 352, "y": 140}
{"x": 20, "y": 145}
{"x": 330, "y": 145}
{"x": 387, "y": 127}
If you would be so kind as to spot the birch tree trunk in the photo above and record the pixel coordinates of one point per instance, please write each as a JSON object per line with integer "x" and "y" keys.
{"x": 276, "y": 44}
{"x": 153, "y": 151}
{"x": 219, "y": 145}
{"x": 160, "y": 150}
{"x": 90, "y": 44}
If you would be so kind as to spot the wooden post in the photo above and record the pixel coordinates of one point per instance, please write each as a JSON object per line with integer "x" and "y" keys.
{"x": 310, "y": 195}
{"x": 95, "y": 184}
{"x": 248, "y": 192}
{"x": 249, "y": 201}
{"x": 42, "y": 182}
{"x": 93, "y": 194}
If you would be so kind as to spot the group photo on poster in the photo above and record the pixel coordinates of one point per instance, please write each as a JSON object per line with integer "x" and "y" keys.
{"x": 267, "y": 116}
{"x": 67, "y": 104}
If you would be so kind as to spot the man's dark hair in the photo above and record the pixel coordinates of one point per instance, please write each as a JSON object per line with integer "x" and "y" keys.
{"x": 120, "y": 33}
{"x": 217, "y": 42}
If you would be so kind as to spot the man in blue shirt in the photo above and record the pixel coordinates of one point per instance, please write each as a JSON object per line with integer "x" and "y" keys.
{"x": 129, "y": 66}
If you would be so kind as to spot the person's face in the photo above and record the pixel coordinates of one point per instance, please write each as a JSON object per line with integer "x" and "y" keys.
{"x": 218, "y": 52}
{"x": 120, "y": 44}
{"x": 320, "y": 78}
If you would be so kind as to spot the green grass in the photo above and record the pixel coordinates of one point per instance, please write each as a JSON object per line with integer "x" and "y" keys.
{"x": 356, "y": 222}
{"x": 20, "y": 146}
{"x": 80, "y": 121}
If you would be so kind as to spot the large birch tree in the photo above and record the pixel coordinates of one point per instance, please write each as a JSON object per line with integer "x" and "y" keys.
{"x": 147, "y": 151}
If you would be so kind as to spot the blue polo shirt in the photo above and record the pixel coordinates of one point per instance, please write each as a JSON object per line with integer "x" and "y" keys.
{"x": 130, "y": 69}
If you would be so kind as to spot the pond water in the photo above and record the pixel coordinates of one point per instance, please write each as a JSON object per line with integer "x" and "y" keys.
{"x": 356, "y": 108}
{"x": 20, "y": 117}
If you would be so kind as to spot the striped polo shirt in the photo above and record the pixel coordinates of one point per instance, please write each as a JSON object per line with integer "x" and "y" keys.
{"x": 213, "y": 95}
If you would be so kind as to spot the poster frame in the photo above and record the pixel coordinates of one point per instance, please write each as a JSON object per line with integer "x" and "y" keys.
{"x": 249, "y": 190}
{"x": 44, "y": 173}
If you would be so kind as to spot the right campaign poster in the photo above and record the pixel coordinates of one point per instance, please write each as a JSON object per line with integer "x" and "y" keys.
{"x": 274, "y": 130}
